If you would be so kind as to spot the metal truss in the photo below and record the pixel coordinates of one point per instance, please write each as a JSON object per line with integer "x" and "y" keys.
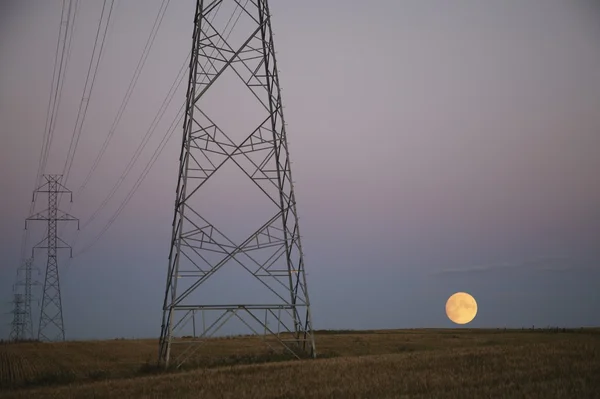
{"x": 22, "y": 326}
{"x": 19, "y": 323}
{"x": 51, "y": 319}
{"x": 272, "y": 254}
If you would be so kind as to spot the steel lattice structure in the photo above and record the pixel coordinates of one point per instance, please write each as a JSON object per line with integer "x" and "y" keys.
{"x": 22, "y": 326}
{"x": 51, "y": 325}
{"x": 272, "y": 254}
{"x": 19, "y": 323}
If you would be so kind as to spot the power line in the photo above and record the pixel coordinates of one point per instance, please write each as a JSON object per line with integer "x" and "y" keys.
{"x": 57, "y": 103}
{"x": 153, "y": 125}
{"x": 130, "y": 88}
{"x": 164, "y": 141}
{"x": 87, "y": 91}
{"x": 107, "y": 31}
{"x": 139, "y": 181}
{"x": 144, "y": 142}
{"x": 58, "y": 75}
{"x": 166, "y": 102}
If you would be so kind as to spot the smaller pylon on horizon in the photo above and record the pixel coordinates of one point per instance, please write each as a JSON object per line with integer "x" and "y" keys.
{"x": 22, "y": 326}
{"x": 51, "y": 317}
{"x": 19, "y": 322}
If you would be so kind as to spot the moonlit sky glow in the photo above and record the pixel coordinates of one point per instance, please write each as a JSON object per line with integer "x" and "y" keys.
{"x": 437, "y": 147}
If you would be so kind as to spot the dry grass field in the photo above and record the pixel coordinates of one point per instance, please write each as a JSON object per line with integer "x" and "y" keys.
{"x": 367, "y": 364}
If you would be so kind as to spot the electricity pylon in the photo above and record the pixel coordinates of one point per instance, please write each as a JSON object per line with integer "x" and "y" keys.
{"x": 22, "y": 326}
{"x": 251, "y": 138}
{"x": 17, "y": 332}
{"x": 51, "y": 325}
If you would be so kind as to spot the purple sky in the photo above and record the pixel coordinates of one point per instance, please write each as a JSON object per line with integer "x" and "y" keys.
{"x": 436, "y": 147}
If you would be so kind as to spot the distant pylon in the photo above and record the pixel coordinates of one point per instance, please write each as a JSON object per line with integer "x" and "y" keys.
{"x": 17, "y": 332}
{"x": 51, "y": 325}
{"x": 23, "y": 328}
{"x": 251, "y": 139}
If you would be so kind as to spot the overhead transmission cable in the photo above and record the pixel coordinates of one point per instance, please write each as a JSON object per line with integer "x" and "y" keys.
{"x": 58, "y": 76}
{"x": 56, "y": 106}
{"x": 125, "y": 101}
{"x": 151, "y": 130}
{"x": 86, "y": 96}
{"x": 107, "y": 31}
{"x": 139, "y": 181}
{"x": 88, "y": 89}
{"x": 130, "y": 88}
{"x": 158, "y": 150}
{"x": 153, "y": 125}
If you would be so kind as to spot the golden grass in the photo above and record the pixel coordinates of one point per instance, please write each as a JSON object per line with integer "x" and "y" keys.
{"x": 380, "y": 364}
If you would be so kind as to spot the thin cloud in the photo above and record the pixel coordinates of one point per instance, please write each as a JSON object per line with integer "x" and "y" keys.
{"x": 557, "y": 264}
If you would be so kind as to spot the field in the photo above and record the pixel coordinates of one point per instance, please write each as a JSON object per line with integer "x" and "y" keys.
{"x": 458, "y": 363}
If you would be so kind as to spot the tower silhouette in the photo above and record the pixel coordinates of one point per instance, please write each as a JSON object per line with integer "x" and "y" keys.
{"x": 22, "y": 325}
{"x": 249, "y": 268}
{"x": 18, "y": 325}
{"x": 51, "y": 318}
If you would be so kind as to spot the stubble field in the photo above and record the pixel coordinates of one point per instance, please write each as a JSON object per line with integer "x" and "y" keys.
{"x": 458, "y": 363}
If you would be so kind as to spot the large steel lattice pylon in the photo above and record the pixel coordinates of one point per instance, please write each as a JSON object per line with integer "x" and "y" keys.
{"x": 233, "y": 49}
{"x": 51, "y": 325}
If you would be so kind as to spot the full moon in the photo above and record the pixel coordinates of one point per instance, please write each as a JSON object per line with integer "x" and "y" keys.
{"x": 461, "y": 308}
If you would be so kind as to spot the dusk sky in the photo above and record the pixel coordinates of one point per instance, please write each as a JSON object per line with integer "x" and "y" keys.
{"x": 437, "y": 147}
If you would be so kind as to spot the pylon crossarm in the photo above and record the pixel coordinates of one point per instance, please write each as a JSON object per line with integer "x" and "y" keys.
{"x": 65, "y": 246}
{"x": 37, "y": 216}
{"x": 39, "y": 245}
{"x": 65, "y": 217}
